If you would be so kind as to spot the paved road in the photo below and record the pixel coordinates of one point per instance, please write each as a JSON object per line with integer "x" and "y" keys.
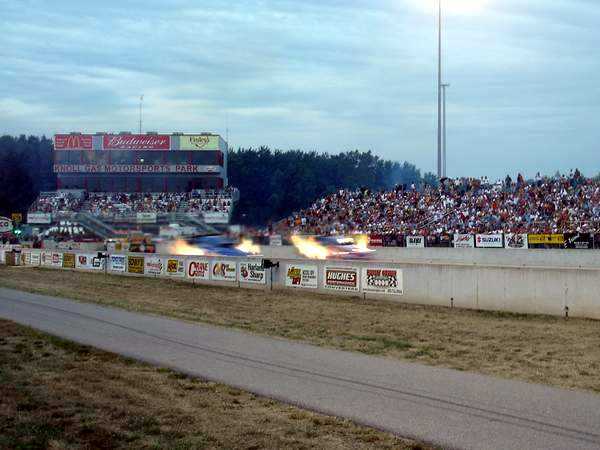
{"x": 444, "y": 407}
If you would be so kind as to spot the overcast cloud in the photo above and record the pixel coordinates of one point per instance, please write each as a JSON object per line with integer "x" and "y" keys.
{"x": 315, "y": 75}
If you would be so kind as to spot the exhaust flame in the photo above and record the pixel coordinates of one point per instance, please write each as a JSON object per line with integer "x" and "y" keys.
{"x": 361, "y": 242}
{"x": 247, "y": 246}
{"x": 307, "y": 246}
{"x": 181, "y": 247}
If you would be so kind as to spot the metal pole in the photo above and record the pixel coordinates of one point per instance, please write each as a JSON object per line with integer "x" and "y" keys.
{"x": 439, "y": 130}
{"x": 141, "y": 101}
{"x": 444, "y": 158}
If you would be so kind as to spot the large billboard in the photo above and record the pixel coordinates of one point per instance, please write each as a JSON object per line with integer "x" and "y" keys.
{"x": 135, "y": 168}
{"x": 72, "y": 142}
{"x": 199, "y": 142}
{"x": 136, "y": 142}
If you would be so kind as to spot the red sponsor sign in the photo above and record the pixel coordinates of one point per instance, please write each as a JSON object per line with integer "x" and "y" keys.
{"x": 72, "y": 142}
{"x": 136, "y": 142}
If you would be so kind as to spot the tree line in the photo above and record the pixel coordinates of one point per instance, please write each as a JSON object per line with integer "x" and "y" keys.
{"x": 272, "y": 183}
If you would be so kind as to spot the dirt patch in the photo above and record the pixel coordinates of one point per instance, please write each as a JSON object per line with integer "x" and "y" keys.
{"x": 540, "y": 349}
{"x": 57, "y": 394}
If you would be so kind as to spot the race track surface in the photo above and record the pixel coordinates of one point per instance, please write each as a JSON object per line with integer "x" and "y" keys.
{"x": 439, "y": 406}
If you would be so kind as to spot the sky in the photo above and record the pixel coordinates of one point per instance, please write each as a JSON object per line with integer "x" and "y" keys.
{"x": 324, "y": 75}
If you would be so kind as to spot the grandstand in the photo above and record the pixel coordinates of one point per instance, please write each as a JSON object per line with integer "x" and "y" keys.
{"x": 110, "y": 184}
{"x": 545, "y": 205}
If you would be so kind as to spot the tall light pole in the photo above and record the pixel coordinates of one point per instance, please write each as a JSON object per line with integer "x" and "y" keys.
{"x": 141, "y": 101}
{"x": 439, "y": 146}
{"x": 444, "y": 154}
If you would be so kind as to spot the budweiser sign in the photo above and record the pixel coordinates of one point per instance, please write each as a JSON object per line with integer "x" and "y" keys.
{"x": 137, "y": 142}
{"x": 72, "y": 142}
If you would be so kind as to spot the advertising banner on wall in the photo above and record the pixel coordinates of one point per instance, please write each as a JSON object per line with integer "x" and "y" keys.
{"x": 135, "y": 168}
{"x": 175, "y": 267}
{"x": 224, "y": 270}
{"x": 72, "y": 142}
{"x": 199, "y": 142}
{"x": 117, "y": 263}
{"x": 25, "y": 258}
{"x": 57, "y": 259}
{"x": 2, "y": 256}
{"x": 275, "y": 240}
{"x": 301, "y": 276}
{"x": 6, "y": 225}
{"x": 69, "y": 260}
{"x": 153, "y": 265}
{"x": 489, "y": 241}
{"x": 341, "y": 278}
{"x": 215, "y": 217}
{"x": 415, "y": 241}
{"x": 46, "y": 258}
{"x": 382, "y": 281}
{"x": 136, "y": 142}
{"x": 546, "y": 240}
{"x": 36, "y": 258}
{"x": 89, "y": 262}
{"x": 135, "y": 264}
{"x": 581, "y": 241}
{"x": 515, "y": 240}
{"x": 198, "y": 268}
{"x": 142, "y": 217}
{"x": 464, "y": 241}
{"x": 39, "y": 218}
{"x": 252, "y": 272}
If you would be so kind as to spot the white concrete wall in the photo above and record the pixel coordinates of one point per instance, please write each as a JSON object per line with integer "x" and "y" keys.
{"x": 518, "y": 281}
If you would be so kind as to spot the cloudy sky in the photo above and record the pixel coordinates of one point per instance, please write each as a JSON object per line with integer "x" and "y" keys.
{"x": 326, "y": 75}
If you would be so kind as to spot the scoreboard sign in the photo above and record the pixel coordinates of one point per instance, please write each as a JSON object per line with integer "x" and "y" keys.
{"x": 72, "y": 142}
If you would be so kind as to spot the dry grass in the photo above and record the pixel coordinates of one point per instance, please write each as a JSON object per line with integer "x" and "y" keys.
{"x": 533, "y": 348}
{"x": 57, "y": 394}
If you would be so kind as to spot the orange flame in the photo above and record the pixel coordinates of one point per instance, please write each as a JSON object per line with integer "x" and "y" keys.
{"x": 247, "y": 246}
{"x": 361, "y": 242}
{"x": 307, "y": 246}
{"x": 181, "y": 247}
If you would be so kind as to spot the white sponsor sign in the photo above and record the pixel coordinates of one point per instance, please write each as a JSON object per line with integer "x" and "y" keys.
{"x": 36, "y": 258}
{"x": 515, "y": 240}
{"x": 215, "y": 217}
{"x": 275, "y": 240}
{"x": 464, "y": 241}
{"x": 39, "y": 218}
{"x": 2, "y": 256}
{"x": 198, "y": 269}
{"x": 175, "y": 267}
{"x": 341, "y": 278}
{"x": 89, "y": 262}
{"x": 489, "y": 241}
{"x": 415, "y": 241}
{"x": 224, "y": 270}
{"x": 153, "y": 265}
{"x": 5, "y": 225}
{"x": 252, "y": 272}
{"x": 146, "y": 217}
{"x": 301, "y": 276}
{"x": 56, "y": 259}
{"x": 382, "y": 280}
{"x": 46, "y": 258}
{"x": 118, "y": 263}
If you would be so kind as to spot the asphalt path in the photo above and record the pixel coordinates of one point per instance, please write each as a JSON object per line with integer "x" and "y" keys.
{"x": 443, "y": 407}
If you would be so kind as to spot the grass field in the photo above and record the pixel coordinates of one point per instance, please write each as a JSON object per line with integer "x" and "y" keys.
{"x": 59, "y": 395}
{"x": 539, "y": 349}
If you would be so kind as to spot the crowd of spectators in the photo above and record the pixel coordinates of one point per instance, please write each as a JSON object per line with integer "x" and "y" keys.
{"x": 119, "y": 203}
{"x": 56, "y": 202}
{"x": 565, "y": 203}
